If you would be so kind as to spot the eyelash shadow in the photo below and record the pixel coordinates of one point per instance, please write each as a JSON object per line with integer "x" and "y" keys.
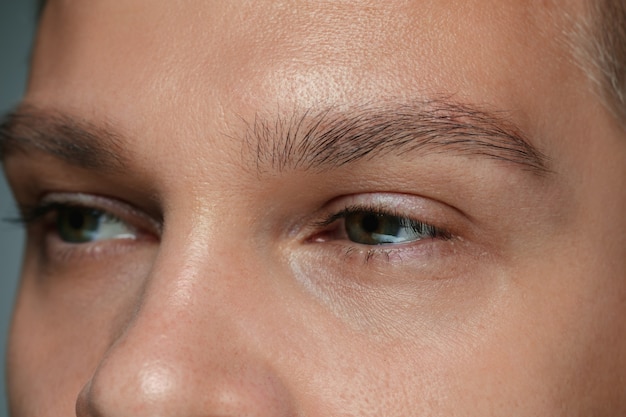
{"x": 32, "y": 214}
{"x": 378, "y": 211}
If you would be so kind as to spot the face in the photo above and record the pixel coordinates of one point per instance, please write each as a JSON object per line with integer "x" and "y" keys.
{"x": 316, "y": 209}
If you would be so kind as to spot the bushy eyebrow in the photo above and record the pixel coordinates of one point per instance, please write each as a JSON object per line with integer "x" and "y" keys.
{"x": 77, "y": 142}
{"x": 333, "y": 138}
{"x": 307, "y": 140}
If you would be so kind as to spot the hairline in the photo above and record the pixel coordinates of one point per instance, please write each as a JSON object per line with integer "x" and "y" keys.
{"x": 598, "y": 43}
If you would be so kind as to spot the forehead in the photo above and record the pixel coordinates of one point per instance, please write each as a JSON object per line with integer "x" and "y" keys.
{"x": 301, "y": 51}
{"x": 178, "y": 73}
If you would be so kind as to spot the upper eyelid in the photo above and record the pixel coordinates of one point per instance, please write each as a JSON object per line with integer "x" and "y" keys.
{"x": 364, "y": 208}
{"x": 119, "y": 209}
{"x": 32, "y": 213}
{"x": 387, "y": 204}
{"x": 441, "y": 232}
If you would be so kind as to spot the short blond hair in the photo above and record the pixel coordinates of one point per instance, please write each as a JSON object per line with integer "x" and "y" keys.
{"x": 600, "y": 48}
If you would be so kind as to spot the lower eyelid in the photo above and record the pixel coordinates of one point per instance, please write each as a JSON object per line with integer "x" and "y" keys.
{"x": 395, "y": 252}
{"x": 56, "y": 251}
{"x": 430, "y": 259}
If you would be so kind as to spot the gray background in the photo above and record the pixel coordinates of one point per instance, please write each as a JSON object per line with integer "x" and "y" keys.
{"x": 17, "y": 24}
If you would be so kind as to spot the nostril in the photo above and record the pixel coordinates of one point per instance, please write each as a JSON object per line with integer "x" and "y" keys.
{"x": 82, "y": 403}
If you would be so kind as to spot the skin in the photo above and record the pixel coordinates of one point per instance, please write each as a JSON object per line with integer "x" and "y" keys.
{"x": 242, "y": 304}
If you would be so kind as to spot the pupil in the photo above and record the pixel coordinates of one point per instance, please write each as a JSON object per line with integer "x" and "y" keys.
{"x": 370, "y": 223}
{"x": 76, "y": 219}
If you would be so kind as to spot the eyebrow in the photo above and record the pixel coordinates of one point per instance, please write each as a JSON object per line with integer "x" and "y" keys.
{"x": 306, "y": 140}
{"x": 333, "y": 138}
{"x": 70, "y": 139}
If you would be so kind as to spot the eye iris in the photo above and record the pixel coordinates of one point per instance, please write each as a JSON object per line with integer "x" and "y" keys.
{"x": 378, "y": 229}
{"x": 374, "y": 228}
{"x": 78, "y": 225}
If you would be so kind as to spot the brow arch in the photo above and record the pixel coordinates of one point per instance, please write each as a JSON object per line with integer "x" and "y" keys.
{"x": 333, "y": 137}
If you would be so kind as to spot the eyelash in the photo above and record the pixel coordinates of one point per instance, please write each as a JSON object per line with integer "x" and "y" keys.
{"x": 42, "y": 214}
{"x": 30, "y": 215}
{"x": 370, "y": 252}
{"x": 110, "y": 227}
{"x": 381, "y": 211}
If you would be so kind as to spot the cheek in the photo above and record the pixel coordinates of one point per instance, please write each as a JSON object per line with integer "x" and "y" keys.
{"x": 369, "y": 378}
{"x": 556, "y": 337}
{"x": 541, "y": 347}
{"x": 47, "y": 368}
{"x": 63, "y": 324}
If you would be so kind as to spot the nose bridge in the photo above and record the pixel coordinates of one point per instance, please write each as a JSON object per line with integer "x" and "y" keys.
{"x": 188, "y": 349}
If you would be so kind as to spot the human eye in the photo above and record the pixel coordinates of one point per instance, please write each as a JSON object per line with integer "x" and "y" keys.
{"x": 399, "y": 227}
{"x": 85, "y": 224}
{"x": 77, "y": 224}
{"x": 364, "y": 255}
{"x": 372, "y": 225}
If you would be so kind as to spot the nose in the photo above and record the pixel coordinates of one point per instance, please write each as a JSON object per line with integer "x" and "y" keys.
{"x": 186, "y": 351}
